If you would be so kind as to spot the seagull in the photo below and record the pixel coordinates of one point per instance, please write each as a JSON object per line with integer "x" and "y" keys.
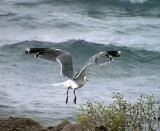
{"x": 64, "y": 58}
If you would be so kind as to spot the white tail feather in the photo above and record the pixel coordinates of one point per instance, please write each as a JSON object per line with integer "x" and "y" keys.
{"x": 58, "y": 84}
{"x": 67, "y": 84}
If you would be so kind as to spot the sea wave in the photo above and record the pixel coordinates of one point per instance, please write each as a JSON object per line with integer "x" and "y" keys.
{"x": 133, "y": 7}
{"x": 84, "y": 50}
{"x": 94, "y": 1}
{"x": 129, "y": 3}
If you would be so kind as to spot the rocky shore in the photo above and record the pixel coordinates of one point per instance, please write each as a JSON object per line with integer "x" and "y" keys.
{"x": 27, "y": 124}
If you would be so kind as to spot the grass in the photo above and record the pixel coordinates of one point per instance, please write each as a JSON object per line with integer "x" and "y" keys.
{"x": 121, "y": 115}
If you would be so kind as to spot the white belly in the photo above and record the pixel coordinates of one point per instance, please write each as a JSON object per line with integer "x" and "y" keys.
{"x": 71, "y": 83}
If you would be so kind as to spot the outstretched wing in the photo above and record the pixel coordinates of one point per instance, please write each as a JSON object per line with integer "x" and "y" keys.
{"x": 62, "y": 57}
{"x": 101, "y": 58}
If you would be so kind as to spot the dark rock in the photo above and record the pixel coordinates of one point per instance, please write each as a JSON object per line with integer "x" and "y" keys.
{"x": 61, "y": 125}
{"x": 50, "y": 127}
{"x": 27, "y": 124}
{"x": 65, "y": 125}
{"x": 73, "y": 127}
{"x": 19, "y": 124}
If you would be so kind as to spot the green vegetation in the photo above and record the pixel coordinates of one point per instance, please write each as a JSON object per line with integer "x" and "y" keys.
{"x": 121, "y": 115}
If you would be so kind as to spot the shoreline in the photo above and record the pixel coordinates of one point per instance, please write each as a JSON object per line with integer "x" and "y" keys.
{"x": 28, "y": 124}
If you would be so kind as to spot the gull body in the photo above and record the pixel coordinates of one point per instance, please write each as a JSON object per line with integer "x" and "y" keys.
{"x": 72, "y": 84}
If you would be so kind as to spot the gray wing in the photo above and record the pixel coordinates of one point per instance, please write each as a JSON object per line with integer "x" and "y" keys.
{"x": 81, "y": 74}
{"x": 101, "y": 58}
{"x": 62, "y": 57}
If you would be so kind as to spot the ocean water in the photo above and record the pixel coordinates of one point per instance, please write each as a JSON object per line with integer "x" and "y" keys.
{"x": 83, "y": 28}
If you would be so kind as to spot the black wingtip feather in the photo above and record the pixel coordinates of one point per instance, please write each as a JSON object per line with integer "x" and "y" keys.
{"x": 35, "y": 50}
{"x": 37, "y": 55}
{"x": 114, "y": 53}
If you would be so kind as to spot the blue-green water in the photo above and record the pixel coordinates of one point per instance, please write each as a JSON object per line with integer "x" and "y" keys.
{"x": 83, "y": 28}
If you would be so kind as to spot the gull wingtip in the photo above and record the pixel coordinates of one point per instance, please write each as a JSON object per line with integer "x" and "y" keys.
{"x": 119, "y": 52}
{"x": 27, "y": 50}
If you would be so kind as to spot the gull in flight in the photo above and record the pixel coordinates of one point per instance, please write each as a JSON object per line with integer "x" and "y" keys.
{"x": 64, "y": 58}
